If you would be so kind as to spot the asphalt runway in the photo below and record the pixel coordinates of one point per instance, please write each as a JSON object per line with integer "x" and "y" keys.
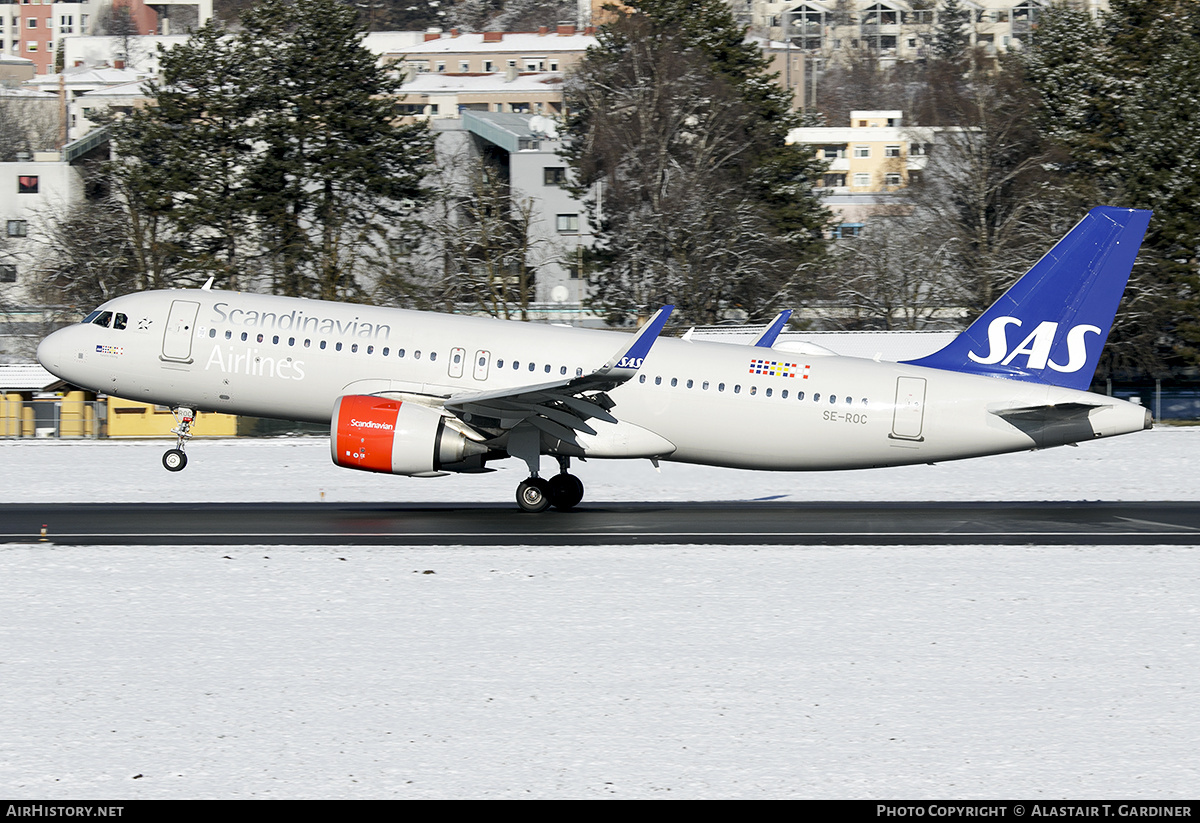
{"x": 742, "y": 523}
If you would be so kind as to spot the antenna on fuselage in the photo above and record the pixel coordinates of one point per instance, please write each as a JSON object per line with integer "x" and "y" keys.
{"x": 208, "y": 284}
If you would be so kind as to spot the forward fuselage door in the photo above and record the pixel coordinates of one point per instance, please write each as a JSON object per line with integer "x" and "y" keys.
{"x": 908, "y": 417}
{"x": 181, "y": 326}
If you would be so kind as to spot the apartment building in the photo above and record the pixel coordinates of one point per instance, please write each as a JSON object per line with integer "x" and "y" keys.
{"x": 893, "y": 30}
{"x": 867, "y": 163}
{"x": 34, "y": 28}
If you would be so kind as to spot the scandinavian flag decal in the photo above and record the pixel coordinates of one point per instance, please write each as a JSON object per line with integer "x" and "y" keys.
{"x": 776, "y": 368}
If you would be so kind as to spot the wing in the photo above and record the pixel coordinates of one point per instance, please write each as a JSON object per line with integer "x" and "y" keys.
{"x": 563, "y": 407}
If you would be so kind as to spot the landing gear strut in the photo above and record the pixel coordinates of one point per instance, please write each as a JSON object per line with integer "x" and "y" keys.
{"x": 175, "y": 459}
{"x": 563, "y": 491}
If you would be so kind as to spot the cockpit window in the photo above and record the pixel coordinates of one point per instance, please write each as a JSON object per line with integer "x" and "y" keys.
{"x": 121, "y": 321}
{"x": 91, "y": 317}
{"x": 103, "y": 319}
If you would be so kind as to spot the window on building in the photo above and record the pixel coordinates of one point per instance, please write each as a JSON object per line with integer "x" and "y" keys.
{"x": 567, "y": 223}
{"x": 27, "y": 184}
{"x": 555, "y": 175}
{"x": 16, "y": 228}
{"x": 464, "y": 66}
{"x": 892, "y": 179}
{"x": 8, "y": 273}
{"x": 862, "y": 179}
{"x": 862, "y": 151}
{"x": 891, "y": 151}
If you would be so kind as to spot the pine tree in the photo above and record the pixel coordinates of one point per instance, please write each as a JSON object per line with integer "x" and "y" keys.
{"x": 275, "y": 146}
{"x": 704, "y": 205}
{"x": 1119, "y": 99}
{"x": 951, "y": 37}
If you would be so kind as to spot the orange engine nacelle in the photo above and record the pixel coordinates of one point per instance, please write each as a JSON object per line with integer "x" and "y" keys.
{"x": 376, "y": 434}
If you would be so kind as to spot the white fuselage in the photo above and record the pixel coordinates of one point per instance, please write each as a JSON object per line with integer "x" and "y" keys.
{"x": 714, "y": 403}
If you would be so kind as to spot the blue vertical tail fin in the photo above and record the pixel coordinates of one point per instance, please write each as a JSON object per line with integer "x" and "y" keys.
{"x": 1051, "y": 325}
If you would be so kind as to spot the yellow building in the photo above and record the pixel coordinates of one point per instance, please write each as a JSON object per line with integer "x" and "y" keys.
{"x": 129, "y": 418}
{"x": 875, "y": 153}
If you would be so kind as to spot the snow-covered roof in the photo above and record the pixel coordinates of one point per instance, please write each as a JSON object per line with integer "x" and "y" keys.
{"x": 24, "y": 377}
{"x": 524, "y": 42}
{"x": 28, "y": 94}
{"x": 88, "y": 76}
{"x": 441, "y": 83}
{"x": 136, "y": 89}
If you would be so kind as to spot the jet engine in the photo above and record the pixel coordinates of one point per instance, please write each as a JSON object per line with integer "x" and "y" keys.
{"x": 378, "y": 434}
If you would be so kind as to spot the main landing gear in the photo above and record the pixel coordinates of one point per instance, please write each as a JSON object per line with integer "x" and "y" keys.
{"x": 175, "y": 459}
{"x": 563, "y": 491}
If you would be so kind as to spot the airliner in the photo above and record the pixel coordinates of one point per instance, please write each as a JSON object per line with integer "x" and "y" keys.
{"x": 424, "y": 394}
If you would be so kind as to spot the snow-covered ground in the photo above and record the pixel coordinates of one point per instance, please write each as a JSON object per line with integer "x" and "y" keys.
{"x": 1154, "y": 465}
{"x": 343, "y": 672}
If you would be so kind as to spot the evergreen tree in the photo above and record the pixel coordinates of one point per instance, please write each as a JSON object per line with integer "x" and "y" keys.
{"x": 951, "y": 37}
{"x": 703, "y": 203}
{"x": 277, "y": 145}
{"x": 1119, "y": 98}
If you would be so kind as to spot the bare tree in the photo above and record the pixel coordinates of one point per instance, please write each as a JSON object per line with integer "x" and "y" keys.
{"x": 481, "y": 244}
{"x": 898, "y": 273}
{"x": 29, "y": 122}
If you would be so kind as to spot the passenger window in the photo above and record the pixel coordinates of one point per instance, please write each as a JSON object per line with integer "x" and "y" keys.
{"x": 291, "y": 341}
{"x": 244, "y": 336}
{"x": 720, "y": 387}
{"x": 674, "y": 382}
{"x": 260, "y": 338}
{"x": 417, "y": 355}
{"x": 816, "y": 397}
{"x": 689, "y": 383}
{"x": 212, "y": 332}
{"x": 322, "y": 345}
{"x": 737, "y": 389}
{"x": 337, "y": 346}
{"x": 228, "y": 334}
{"x": 499, "y": 364}
{"x": 370, "y": 349}
{"x": 782, "y": 394}
{"x": 799, "y": 395}
{"x": 832, "y": 399}
{"x": 399, "y": 352}
{"x": 432, "y": 356}
{"x": 768, "y": 392}
{"x": 275, "y": 340}
{"x": 658, "y": 381}
{"x": 641, "y": 378}
{"x": 354, "y": 348}
{"x": 385, "y": 351}
{"x": 704, "y": 385}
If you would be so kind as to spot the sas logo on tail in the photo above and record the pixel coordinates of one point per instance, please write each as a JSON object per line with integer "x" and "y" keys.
{"x": 1036, "y": 346}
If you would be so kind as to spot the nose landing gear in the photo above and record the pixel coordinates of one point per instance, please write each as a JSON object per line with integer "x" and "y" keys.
{"x": 175, "y": 459}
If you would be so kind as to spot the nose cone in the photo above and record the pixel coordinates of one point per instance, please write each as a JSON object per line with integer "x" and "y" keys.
{"x": 51, "y": 352}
